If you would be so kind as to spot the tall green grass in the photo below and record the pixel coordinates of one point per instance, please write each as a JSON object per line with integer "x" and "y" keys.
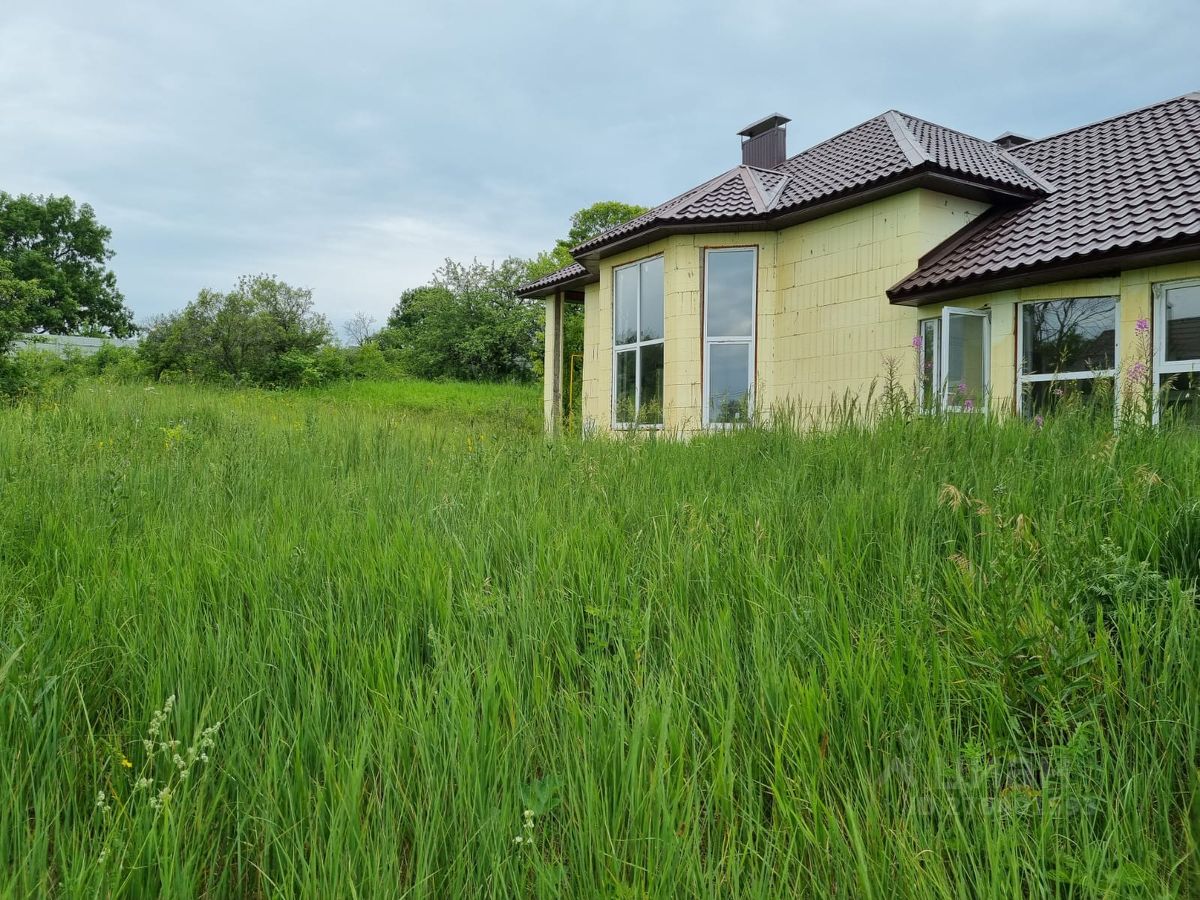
{"x": 935, "y": 659}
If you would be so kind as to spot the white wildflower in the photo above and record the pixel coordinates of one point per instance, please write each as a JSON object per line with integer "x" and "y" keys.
{"x": 159, "y": 718}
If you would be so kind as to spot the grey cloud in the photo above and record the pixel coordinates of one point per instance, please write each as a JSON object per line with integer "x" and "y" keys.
{"x": 351, "y": 146}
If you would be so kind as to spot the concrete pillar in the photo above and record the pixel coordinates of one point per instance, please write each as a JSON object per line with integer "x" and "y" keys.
{"x": 553, "y": 386}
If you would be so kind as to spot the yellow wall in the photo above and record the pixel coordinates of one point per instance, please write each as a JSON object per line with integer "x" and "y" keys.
{"x": 835, "y": 325}
{"x": 824, "y": 323}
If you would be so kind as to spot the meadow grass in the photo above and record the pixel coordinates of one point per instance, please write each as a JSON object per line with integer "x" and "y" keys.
{"x": 427, "y": 653}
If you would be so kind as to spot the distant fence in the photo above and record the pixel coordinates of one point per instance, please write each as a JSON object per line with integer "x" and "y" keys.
{"x": 62, "y": 344}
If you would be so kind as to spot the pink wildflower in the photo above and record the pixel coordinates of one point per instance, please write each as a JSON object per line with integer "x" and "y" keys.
{"x": 917, "y": 343}
{"x": 1142, "y": 326}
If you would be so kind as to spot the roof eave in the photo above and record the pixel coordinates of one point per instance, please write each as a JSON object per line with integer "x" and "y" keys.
{"x": 1092, "y": 266}
{"x": 931, "y": 178}
{"x": 547, "y": 290}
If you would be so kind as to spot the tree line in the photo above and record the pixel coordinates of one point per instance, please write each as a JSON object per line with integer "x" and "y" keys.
{"x": 465, "y": 323}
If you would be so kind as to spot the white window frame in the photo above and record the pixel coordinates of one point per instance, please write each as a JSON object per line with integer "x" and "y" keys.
{"x": 1162, "y": 366}
{"x": 1024, "y": 378}
{"x": 935, "y": 376}
{"x": 749, "y": 340}
{"x": 944, "y": 356}
{"x": 636, "y": 346}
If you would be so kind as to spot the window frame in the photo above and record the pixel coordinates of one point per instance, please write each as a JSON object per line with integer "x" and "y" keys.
{"x": 1161, "y": 366}
{"x": 636, "y": 346}
{"x": 935, "y": 377}
{"x": 944, "y": 357}
{"x": 750, "y": 341}
{"x": 1024, "y": 378}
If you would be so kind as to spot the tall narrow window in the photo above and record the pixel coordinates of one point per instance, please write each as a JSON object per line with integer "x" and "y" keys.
{"x": 1067, "y": 353}
{"x": 730, "y": 284}
{"x": 638, "y": 343}
{"x": 1177, "y": 349}
{"x": 955, "y": 357}
{"x": 929, "y": 358}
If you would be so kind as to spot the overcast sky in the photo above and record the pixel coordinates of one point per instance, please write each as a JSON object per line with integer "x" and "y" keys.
{"x": 350, "y": 146}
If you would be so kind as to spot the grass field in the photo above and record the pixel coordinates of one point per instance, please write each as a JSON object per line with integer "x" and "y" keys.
{"x": 449, "y": 659}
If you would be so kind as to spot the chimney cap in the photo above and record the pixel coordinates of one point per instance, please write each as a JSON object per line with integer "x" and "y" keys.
{"x": 1010, "y": 139}
{"x": 756, "y": 128}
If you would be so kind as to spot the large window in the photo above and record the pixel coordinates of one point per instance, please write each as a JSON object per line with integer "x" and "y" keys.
{"x": 730, "y": 284}
{"x": 1067, "y": 353}
{"x": 1177, "y": 348}
{"x": 638, "y": 343}
{"x": 955, "y": 358}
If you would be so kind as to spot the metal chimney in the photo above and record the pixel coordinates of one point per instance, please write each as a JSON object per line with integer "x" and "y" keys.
{"x": 764, "y": 143}
{"x": 1009, "y": 140}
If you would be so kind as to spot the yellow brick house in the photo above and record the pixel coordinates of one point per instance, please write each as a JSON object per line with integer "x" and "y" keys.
{"x": 999, "y": 274}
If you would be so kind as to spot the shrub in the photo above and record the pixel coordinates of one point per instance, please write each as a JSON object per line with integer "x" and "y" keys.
{"x": 264, "y": 332}
{"x": 369, "y": 361}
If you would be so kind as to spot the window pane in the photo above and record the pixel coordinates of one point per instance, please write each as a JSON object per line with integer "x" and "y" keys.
{"x": 652, "y": 299}
{"x": 626, "y": 382}
{"x": 1183, "y": 323}
{"x": 928, "y": 357}
{"x": 729, "y": 297}
{"x": 966, "y": 380}
{"x": 728, "y": 383}
{"x": 1077, "y": 335}
{"x": 626, "y": 303}
{"x": 1180, "y": 398}
{"x": 651, "y": 412}
{"x": 1040, "y": 398}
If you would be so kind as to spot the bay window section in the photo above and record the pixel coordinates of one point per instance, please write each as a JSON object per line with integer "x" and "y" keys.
{"x": 1177, "y": 349}
{"x": 954, "y": 357}
{"x": 638, "y": 344}
{"x": 730, "y": 286}
{"x": 1067, "y": 352}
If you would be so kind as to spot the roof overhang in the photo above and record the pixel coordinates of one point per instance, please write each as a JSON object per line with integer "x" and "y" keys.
{"x": 1094, "y": 265}
{"x": 929, "y": 179}
{"x": 571, "y": 288}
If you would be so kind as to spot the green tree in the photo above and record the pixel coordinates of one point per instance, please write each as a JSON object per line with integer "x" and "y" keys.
{"x": 64, "y": 248}
{"x": 467, "y": 323}
{"x": 17, "y": 296}
{"x": 264, "y": 331}
{"x": 585, "y": 225}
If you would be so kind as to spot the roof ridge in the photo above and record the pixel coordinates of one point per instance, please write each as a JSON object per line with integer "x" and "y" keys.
{"x": 752, "y": 188}
{"x": 957, "y": 131}
{"x": 1004, "y": 154}
{"x": 909, "y": 145}
{"x": 766, "y": 195}
{"x": 1025, "y": 169}
{"x": 1190, "y": 95}
{"x": 682, "y": 202}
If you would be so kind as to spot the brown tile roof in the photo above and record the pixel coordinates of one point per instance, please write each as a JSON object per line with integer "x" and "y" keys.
{"x": 1126, "y": 184}
{"x": 563, "y": 276}
{"x": 887, "y": 147}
